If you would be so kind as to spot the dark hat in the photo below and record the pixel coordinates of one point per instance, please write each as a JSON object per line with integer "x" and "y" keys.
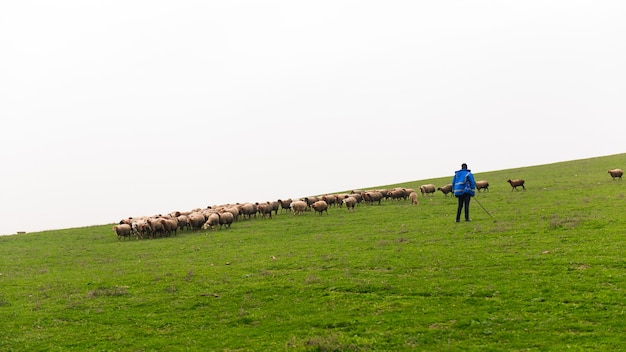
{"x": 464, "y": 166}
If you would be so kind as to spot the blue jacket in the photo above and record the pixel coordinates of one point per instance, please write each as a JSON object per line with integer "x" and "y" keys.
{"x": 463, "y": 182}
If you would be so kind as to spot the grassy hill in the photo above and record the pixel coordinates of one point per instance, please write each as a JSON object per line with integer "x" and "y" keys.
{"x": 546, "y": 271}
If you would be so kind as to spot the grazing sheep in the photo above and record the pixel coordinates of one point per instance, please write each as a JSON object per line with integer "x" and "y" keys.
{"x": 372, "y": 196}
{"x": 516, "y": 183}
{"x": 482, "y": 185}
{"x": 122, "y": 231}
{"x": 616, "y": 173}
{"x": 397, "y": 193}
{"x": 170, "y": 225}
{"x": 298, "y": 207}
{"x": 233, "y": 210}
{"x": 358, "y": 197}
{"x": 350, "y": 202}
{"x": 226, "y": 218}
{"x": 413, "y": 198}
{"x": 196, "y": 220}
{"x": 156, "y": 227}
{"x": 212, "y": 221}
{"x": 183, "y": 222}
{"x": 428, "y": 189}
{"x": 320, "y": 206}
{"x": 445, "y": 189}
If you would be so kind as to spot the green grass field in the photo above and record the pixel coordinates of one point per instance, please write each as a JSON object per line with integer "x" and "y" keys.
{"x": 545, "y": 273}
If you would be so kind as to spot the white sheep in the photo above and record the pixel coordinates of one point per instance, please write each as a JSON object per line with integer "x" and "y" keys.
{"x": 298, "y": 207}
{"x": 350, "y": 202}
{"x": 413, "y": 198}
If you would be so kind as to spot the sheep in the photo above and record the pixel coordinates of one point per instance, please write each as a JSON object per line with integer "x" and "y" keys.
{"x": 285, "y": 204}
{"x": 212, "y": 221}
{"x": 330, "y": 199}
{"x": 248, "y": 209}
{"x": 397, "y": 193}
{"x": 320, "y": 206}
{"x": 233, "y": 210}
{"x": 310, "y": 200}
{"x": 298, "y": 207}
{"x": 183, "y": 222}
{"x": 350, "y": 202}
{"x": 482, "y": 185}
{"x": 122, "y": 231}
{"x": 170, "y": 225}
{"x": 516, "y": 183}
{"x": 616, "y": 173}
{"x": 372, "y": 196}
{"x": 340, "y": 197}
{"x": 275, "y": 206}
{"x": 358, "y": 197}
{"x": 428, "y": 189}
{"x": 196, "y": 220}
{"x": 226, "y": 218}
{"x": 140, "y": 228}
{"x": 413, "y": 198}
{"x": 156, "y": 227}
{"x": 265, "y": 208}
{"x": 445, "y": 189}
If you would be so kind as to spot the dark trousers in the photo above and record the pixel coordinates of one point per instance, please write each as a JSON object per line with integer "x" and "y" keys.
{"x": 464, "y": 201}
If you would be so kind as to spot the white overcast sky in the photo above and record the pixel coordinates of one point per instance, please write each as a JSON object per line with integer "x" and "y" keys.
{"x": 112, "y": 109}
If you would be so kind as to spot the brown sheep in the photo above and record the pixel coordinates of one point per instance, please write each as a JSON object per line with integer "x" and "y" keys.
{"x": 516, "y": 183}
{"x": 482, "y": 185}
{"x": 320, "y": 206}
{"x": 428, "y": 189}
{"x": 358, "y": 197}
{"x": 285, "y": 204}
{"x": 330, "y": 199}
{"x": 340, "y": 197}
{"x": 397, "y": 193}
{"x": 310, "y": 200}
{"x": 372, "y": 196}
{"x": 413, "y": 198}
{"x": 122, "y": 231}
{"x": 445, "y": 189}
{"x": 616, "y": 173}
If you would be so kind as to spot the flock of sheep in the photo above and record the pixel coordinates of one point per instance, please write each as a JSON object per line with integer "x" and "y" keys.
{"x": 223, "y": 216}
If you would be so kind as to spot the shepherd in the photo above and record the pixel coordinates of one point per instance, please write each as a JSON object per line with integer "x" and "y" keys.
{"x": 463, "y": 186}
